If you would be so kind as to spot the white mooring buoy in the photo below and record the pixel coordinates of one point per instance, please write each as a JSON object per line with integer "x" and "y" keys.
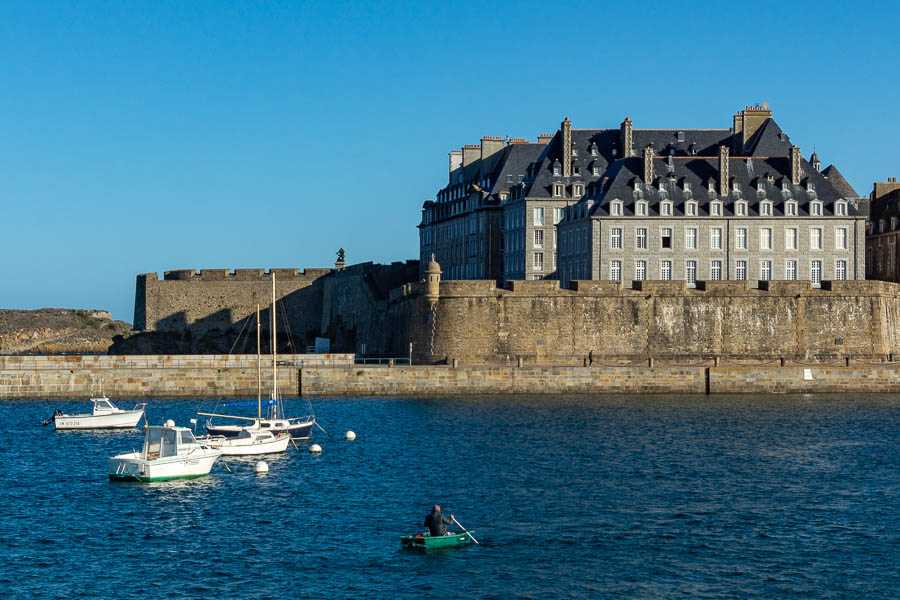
{"x": 315, "y": 449}
{"x": 170, "y": 423}
{"x": 261, "y": 467}
{"x": 350, "y": 435}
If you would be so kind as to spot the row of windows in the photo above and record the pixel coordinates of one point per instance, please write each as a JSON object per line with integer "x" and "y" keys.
{"x": 537, "y": 261}
{"x": 716, "y": 209}
{"x": 766, "y": 239}
{"x": 639, "y": 269}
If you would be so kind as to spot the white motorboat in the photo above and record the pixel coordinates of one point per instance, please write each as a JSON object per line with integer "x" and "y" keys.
{"x": 248, "y": 443}
{"x": 169, "y": 452}
{"x": 105, "y": 415}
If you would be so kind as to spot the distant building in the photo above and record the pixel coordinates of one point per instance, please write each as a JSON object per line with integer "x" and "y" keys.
{"x": 633, "y": 204}
{"x": 883, "y": 230}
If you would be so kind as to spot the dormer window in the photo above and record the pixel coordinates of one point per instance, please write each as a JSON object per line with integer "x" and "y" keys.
{"x": 615, "y": 209}
{"x": 690, "y": 209}
{"x": 613, "y": 151}
{"x": 641, "y": 209}
{"x": 760, "y": 186}
{"x": 840, "y": 209}
{"x": 576, "y": 170}
{"x": 557, "y": 170}
{"x": 558, "y": 190}
{"x": 578, "y": 190}
{"x": 815, "y": 209}
{"x": 594, "y": 150}
{"x": 595, "y": 171}
{"x": 715, "y": 209}
{"x": 880, "y": 225}
{"x": 665, "y": 209}
{"x": 509, "y": 178}
{"x": 765, "y": 209}
{"x": 810, "y": 187}
{"x": 893, "y": 223}
{"x": 679, "y": 136}
{"x": 735, "y": 186}
{"x": 740, "y": 209}
{"x": 790, "y": 209}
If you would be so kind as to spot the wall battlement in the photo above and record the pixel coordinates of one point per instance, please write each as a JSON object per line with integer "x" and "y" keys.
{"x": 235, "y": 274}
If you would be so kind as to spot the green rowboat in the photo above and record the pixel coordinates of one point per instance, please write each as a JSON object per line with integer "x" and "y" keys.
{"x": 425, "y": 541}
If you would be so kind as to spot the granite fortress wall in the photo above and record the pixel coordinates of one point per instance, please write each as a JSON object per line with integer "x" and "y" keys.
{"x": 477, "y": 322}
{"x": 208, "y": 307}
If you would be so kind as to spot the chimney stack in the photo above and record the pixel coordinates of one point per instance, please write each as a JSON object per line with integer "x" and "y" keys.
{"x": 456, "y": 157}
{"x": 566, "y": 128}
{"x": 490, "y": 145}
{"x": 747, "y": 123}
{"x": 648, "y": 165}
{"x": 545, "y": 138}
{"x": 471, "y": 153}
{"x": 723, "y": 171}
{"x": 625, "y": 137}
{"x": 795, "y": 165}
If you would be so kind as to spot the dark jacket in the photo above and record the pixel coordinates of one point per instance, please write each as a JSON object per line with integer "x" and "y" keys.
{"x": 435, "y": 522}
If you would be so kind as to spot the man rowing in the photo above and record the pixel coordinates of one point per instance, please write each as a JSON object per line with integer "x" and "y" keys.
{"x": 435, "y": 521}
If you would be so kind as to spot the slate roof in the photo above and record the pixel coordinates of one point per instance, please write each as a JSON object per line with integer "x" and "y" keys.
{"x": 834, "y": 177}
{"x": 680, "y": 179}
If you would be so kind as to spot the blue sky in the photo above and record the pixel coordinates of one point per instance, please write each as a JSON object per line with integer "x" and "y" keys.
{"x": 149, "y": 136}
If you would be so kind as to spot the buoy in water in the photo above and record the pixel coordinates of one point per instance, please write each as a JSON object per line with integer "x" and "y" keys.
{"x": 315, "y": 449}
{"x": 261, "y": 467}
{"x": 170, "y": 423}
{"x": 350, "y": 435}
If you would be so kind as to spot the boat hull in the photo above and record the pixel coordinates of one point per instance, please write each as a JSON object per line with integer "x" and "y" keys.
{"x": 233, "y": 447}
{"x": 297, "y": 430}
{"x": 429, "y": 542}
{"x": 127, "y": 419}
{"x": 131, "y": 467}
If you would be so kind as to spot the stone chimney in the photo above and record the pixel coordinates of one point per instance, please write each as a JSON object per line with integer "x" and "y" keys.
{"x": 625, "y": 137}
{"x": 724, "y": 175}
{"x": 471, "y": 153}
{"x": 456, "y": 159}
{"x": 882, "y": 188}
{"x": 565, "y": 129}
{"x": 648, "y": 165}
{"x": 795, "y": 165}
{"x": 491, "y": 145}
{"x": 747, "y": 123}
{"x": 545, "y": 138}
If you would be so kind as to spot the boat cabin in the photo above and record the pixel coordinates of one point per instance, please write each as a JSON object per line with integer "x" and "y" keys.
{"x": 161, "y": 442}
{"x": 103, "y": 406}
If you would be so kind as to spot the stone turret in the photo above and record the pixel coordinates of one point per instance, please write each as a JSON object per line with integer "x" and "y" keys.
{"x": 433, "y": 281}
{"x": 815, "y": 162}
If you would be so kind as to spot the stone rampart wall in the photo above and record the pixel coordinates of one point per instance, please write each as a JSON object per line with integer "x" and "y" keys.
{"x": 478, "y": 323}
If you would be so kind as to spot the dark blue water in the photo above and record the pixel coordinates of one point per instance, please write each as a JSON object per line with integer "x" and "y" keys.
{"x": 634, "y": 497}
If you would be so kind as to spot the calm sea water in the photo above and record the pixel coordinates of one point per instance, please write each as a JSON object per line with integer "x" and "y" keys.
{"x": 571, "y": 497}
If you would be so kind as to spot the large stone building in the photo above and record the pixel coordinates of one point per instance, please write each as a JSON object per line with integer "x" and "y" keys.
{"x": 463, "y": 226}
{"x": 882, "y": 261}
{"x": 689, "y": 204}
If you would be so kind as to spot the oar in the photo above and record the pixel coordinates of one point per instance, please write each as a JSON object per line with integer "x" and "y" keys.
{"x": 464, "y": 529}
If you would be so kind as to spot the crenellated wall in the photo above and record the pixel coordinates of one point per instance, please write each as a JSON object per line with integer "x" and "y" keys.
{"x": 479, "y": 323}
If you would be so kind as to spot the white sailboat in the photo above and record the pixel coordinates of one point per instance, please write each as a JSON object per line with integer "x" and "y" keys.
{"x": 169, "y": 452}
{"x": 250, "y": 439}
{"x": 276, "y": 422}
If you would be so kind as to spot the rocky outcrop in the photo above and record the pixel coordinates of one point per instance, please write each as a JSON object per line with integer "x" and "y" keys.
{"x": 58, "y": 331}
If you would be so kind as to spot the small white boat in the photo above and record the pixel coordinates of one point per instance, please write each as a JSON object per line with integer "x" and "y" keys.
{"x": 105, "y": 415}
{"x": 248, "y": 443}
{"x": 169, "y": 452}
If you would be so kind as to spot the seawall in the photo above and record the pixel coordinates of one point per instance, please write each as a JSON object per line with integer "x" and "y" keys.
{"x": 149, "y": 376}
{"x": 335, "y": 375}
{"x": 437, "y": 381}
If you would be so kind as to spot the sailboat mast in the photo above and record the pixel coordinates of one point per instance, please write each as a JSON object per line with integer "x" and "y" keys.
{"x": 274, "y": 350}
{"x": 258, "y": 369}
